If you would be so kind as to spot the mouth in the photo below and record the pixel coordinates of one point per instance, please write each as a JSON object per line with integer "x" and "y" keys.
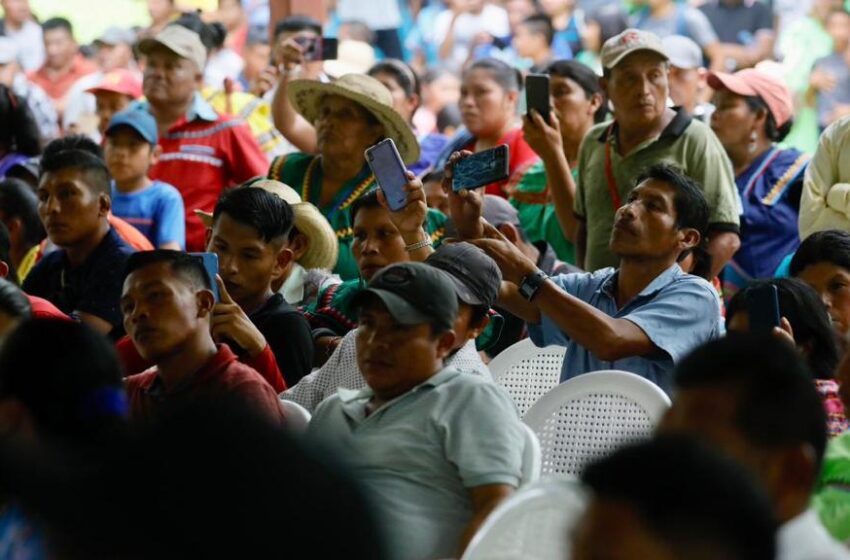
{"x": 623, "y": 226}
{"x": 376, "y": 363}
{"x": 369, "y": 268}
{"x": 142, "y": 333}
{"x": 53, "y": 227}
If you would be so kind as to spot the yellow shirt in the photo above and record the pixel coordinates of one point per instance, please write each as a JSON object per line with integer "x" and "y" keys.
{"x": 256, "y": 112}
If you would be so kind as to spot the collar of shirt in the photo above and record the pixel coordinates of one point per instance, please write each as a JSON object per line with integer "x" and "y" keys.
{"x": 156, "y": 388}
{"x": 674, "y": 129}
{"x": 609, "y": 285}
{"x": 199, "y": 110}
{"x": 293, "y": 287}
{"x": 111, "y": 238}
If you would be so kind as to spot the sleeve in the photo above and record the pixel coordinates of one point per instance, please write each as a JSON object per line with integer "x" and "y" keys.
{"x": 245, "y": 158}
{"x": 700, "y": 28}
{"x": 708, "y": 165}
{"x": 820, "y": 208}
{"x": 261, "y": 399}
{"x": 483, "y": 436}
{"x": 441, "y": 28}
{"x": 170, "y": 219}
{"x": 312, "y": 389}
{"x": 680, "y": 317}
{"x": 291, "y": 341}
{"x": 265, "y": 364}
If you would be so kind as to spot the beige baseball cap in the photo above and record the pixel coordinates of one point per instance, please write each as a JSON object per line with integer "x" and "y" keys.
{"x": 630, "y": 41}
{"x": 179, "y": 40}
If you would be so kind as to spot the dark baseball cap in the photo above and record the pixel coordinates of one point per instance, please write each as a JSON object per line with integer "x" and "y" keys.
{"x": 414, "y": 293}
{"x": 139, "y": 120}
{"x": 475, "y": 276}
{"x": 498, "y": 211}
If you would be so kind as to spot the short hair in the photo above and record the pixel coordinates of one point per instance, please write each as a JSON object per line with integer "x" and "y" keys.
{"x": 689, "y": 496}
{"x": 78, "y": 152}
{"x": 18, "y": 201}
{"x": 831, "y": 246}
{"x": 771, "y": 130}
{"x": 586, "y": 78}
{"x": 449, "y": 116}
{"x": 540, "y": 24}
{"x": 508, "y": 77}
{"x": 269, "y": 214}
{"x": 691, "y": 206}
{"x": 5, "y": 253}
{"x": 294, "y": 24}
{"x": 57, "y": 23}
{"x": 212, "y": 35}
{"x": 777, "y": 402}
{"x": 368, "y": 200}
{"x": 404, "y": 75}
{"x": 189, "y": 267}
{"x": 74, "y": 390}
{"x": 801, "y": 305}
{"x": 18, "y": 127}
{"x": 13, "y": 301}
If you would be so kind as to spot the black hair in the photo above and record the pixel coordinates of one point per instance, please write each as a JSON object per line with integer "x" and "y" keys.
{"x": 449, "y": 116}
{"x": 478, "y": 314}
{"x": 777, "y": 403}
{"x": 257, "y": 35}
{"x": 831, "y": 246}
{"x": 78, "y": 152}
{"x": 771, "y": 130}
{"x": 436, "y": 175}
{"x": 690, "y": 497}
{"x": 402, "y": 73}
{"x": 540, "y": 24}
{"x": 18, "y": 128}
{"x": 57, "y": 23}
{"x": 18, "y": 201}
{"x": 585, "y": 78}
{"x": 189, "y": 267}
{"x": 13, "y": 301}
{"x": 294, "y": 24}
{"x": 74, "y": 390}
{"x": 212, "y": 35}
{"x": 801, "y": 305}
{"x": 269, "y": 214}
{"x": 689, "y": 200}
{"x": 368, "y": 200}
{"x": 508, "y": 77}
{"x": 5, "y": 254}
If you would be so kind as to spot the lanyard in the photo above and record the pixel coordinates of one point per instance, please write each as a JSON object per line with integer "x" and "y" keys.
{"x": 609, "y": 171}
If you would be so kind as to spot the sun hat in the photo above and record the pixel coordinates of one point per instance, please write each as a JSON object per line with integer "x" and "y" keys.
{"x": 323, "y": 248}
{"x": 306, "y": 96}
{"x": 630, "y": 41}
{"x": 751, "y": 82}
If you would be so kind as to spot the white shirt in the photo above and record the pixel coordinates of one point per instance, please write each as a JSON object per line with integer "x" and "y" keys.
{"x": 492, "y": 20}
{"x": 377, "y": 14}
{"x": 805, "y": 538}
{"x": 825, "y": 202}
{"x": 30, "y": 45}
{"x": 341, "y": 371}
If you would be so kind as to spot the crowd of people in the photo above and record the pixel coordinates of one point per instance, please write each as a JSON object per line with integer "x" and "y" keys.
{"x": 195, "y": 254}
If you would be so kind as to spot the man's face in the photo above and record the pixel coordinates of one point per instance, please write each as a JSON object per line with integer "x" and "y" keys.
{"x": 69, "y": 208}
{"x": 832, "y": 283}
{"x": 60, "y": 48}
{"x": 343, "y": 128}
{"x": 613, "y": 530}
{"x": 110, "y": 57}
{"x": 16, "y": 11}
{"x": 160, "y": 9}
{"x": 646, "y": 225}
{"x": 128, "y": 155}
{"x": 684, "y": 86}
{"x": 638, "y": 89}
{"x": 162, "y": 311}
{"x": 108, "y": 103}
{"x": 394, "y": 358}
{"x": 377, "y": 243}
{"x": 525, "y": 42}
{"x": 838, "y": 27}
{"x": 256, "y": 59}
{"x": 246, "y": 262}
{"x": 168, "y": 78}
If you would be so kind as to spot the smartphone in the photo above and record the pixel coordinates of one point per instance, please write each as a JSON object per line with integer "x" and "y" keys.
{"x": 389, "y": 171}
{"x": 763, "y": 308}
{"x": 211, "y": 266}
{"x": 537, "y": 95}
{"x": 318, "y": 48}
{"x": 483, "y": 168}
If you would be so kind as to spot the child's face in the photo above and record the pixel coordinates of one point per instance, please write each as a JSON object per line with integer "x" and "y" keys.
{"x": 109, "y": 103}
{"x": 525, "y": 42}
{"x": 128, "y": 155}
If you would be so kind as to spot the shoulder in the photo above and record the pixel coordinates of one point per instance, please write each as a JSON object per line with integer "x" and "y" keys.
{"x": 682, "y": 282}
{"x": 163, "y": 189}
{"x": 140, "y": 381}
{"x": 575, "y": 281}
{"x": 289, "y": 164}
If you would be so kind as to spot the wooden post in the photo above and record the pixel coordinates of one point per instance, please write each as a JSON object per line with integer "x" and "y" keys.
{"x": 279, "y": 9}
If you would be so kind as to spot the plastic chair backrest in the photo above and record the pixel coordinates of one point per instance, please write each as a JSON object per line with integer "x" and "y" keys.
{"x": 295, "y": 416}
{"x": 533, "y": 524}
{"x": 532, "y": 457}
{"x": 587, "y": 417}
{"x": 527, "y": 372}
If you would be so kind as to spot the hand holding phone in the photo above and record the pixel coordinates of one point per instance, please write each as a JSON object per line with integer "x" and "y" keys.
{"x": 389, "y": 171}
{"x": 482, "y": 168}
{"x": 763, "y": 308}
{"x": 210, "y": 261}
{"x": 537, "y": 96}
{"x": 314, "y": 49}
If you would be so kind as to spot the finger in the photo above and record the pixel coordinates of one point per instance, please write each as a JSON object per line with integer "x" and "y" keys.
{"x": 538, "y": 119}
{"x": 222, "y": 291}
{"x": 382, "y": 199}
{"x": 490, "y": 231}
{"x": 785, "y": 325}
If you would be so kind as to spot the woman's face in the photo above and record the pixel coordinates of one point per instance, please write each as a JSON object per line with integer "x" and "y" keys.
{"x": 732, "y": 121}
{"x": 486, "y": 108}
{"x": 572, "y": 105}
{"x": 832, "y": 283}
{"x": 403, "y": 104}
{"x": 344, "y": 130}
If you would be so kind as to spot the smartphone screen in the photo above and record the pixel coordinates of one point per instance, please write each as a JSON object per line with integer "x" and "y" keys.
{"x": 317, "y": 48}
{"x": 537, "y": 95}
{"x": 329, "y": 48}
{"x": 763, "y": 308}
{"x": 211, "y": 266}
{"x": 389, "y": 171}
{"x": 483, "y": 168}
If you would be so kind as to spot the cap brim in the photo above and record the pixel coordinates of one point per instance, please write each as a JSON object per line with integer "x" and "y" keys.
{"x": 147, "y": 45}
{"x": 402, "y": 311}
{"x": 620, "y": 58}
{"x": 723, "y": 80}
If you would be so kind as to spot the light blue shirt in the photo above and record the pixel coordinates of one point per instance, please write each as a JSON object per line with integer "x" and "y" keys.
{"x": 677, "y": 311}
{"x": 156, "y": 211}
{"x": 419, "y": 455}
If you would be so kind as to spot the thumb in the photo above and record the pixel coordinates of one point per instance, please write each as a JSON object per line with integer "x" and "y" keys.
{"x": 225, "y": 297}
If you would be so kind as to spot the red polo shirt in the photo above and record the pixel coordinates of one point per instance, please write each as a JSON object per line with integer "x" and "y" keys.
{"x": 57, "y": 86}
{"x": 223, "y": 374}
{"x": 204, "y": 153}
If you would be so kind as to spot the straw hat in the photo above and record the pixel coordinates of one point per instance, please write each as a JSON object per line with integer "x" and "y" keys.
{"x": 306, "y": 96}
{"x": 323, "y": 249}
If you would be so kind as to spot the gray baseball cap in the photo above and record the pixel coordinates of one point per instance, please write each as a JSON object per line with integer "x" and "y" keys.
{"x": 683, "y": 52}
{"x": 116, "y": 35}
{"x": 630, "y": 41}
{"x": 476, "y": 277}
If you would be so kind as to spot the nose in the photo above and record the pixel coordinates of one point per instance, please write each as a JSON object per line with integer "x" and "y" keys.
{"x": 370, "y": 245}
{"x": 51, "y": 205}
{"x": 227, "y": 265}
{"x": 826, "y": 298}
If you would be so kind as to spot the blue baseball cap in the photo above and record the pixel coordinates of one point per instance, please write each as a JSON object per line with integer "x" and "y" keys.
{"x": 139, "y": 120}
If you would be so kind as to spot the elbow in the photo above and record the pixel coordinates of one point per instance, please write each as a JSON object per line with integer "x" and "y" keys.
{"x": 610, "y": 348}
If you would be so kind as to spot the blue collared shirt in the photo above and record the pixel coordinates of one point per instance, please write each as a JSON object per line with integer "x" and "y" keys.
{"x": 677, "y": 311}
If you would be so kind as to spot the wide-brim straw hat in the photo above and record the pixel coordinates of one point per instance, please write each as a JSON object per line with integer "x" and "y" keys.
{"x": 306, "y": 96}
{"x": 323, "y": 248}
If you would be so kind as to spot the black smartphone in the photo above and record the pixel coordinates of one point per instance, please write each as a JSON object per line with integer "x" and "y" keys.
{"x": 211, "y": 266}
{"x": 318, "y": 48}
{"x": 537, "y": 95}
{"x": 763, "y": 308}
{"x": 389, "y": 171}
{"x": 483, "y": 168}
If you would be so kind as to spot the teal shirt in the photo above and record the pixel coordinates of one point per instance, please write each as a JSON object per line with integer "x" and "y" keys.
{"x": 419, "y": 455}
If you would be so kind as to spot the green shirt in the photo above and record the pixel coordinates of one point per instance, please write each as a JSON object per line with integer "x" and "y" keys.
{"x": 831, "y": 498}
{"x": 686, "y": 143}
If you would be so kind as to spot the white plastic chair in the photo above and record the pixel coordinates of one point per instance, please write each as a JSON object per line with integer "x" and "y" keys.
{"x": 296, "y": 417}
{"x": 527, "y": 372}
{"x": 587, "y": 417}
{"x": 533, "y": 524}
{"x": 532, "y": 457}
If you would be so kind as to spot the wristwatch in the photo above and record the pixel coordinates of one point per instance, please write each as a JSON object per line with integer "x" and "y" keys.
{"x": 530, "y": 285}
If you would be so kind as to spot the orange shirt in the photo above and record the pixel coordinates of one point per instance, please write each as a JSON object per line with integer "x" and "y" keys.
{"x": 57, "y": 86}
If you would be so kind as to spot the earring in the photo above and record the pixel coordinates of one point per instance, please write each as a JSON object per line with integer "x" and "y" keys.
{"x": 753, "y": 142}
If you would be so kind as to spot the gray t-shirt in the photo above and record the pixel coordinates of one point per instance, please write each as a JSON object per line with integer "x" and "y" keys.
{"x": 827, "y": 101}
{"x": 684, "y": 20}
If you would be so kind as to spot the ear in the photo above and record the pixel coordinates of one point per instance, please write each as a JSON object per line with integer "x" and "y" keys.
{"x": 479, "y": 328}
{"x": 512, "y": 97}
{"x": 284, "y": 259}
{"x": 760, "y": 120}
{"x": 415, "y": 101}
{"x": 156, "y": 151}
{"x": 104, "y": 204}
{"x": 4, "y": 269}
{"x": 299, "y": 245}
{"x": 207, "y": 238}
{"x": 510, "y": 231}
{"x": 690, "y": 238}
{"x": 596, "y": 101}
{"x": 446, "y": 343}
{"x": 206, "y": 301}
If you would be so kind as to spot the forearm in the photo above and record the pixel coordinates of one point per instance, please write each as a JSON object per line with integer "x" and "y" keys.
{"x": 722, "y": 246}
{"x": 293, "y": 126}
{"x": 563, "y": 190}
{"x": 411, "y": 238}
{"x": 448, "y": 44}
{"x": 511, "y": 301}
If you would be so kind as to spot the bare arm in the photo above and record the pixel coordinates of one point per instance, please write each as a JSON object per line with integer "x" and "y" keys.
{"x": 484, "y": 501}
{"x": 95, "y": 322}
{"x": 448, "y": 44}
{"x": 286, "y": 119}
{"x": 722, "y": 246}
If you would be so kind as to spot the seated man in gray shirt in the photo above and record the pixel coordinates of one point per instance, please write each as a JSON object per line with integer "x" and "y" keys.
{"x": 435, "y": 449}
{"x": 641, "y": 317}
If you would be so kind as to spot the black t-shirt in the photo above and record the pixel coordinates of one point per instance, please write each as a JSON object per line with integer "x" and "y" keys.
{"x": 738, "y": 24}
{"x": 289, "y": 336}
{"x": 94, "y": 287}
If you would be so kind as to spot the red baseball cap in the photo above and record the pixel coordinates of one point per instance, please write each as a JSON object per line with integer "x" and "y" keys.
{"x": 119, "y": 81}
{"x": 750, "y": 82}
